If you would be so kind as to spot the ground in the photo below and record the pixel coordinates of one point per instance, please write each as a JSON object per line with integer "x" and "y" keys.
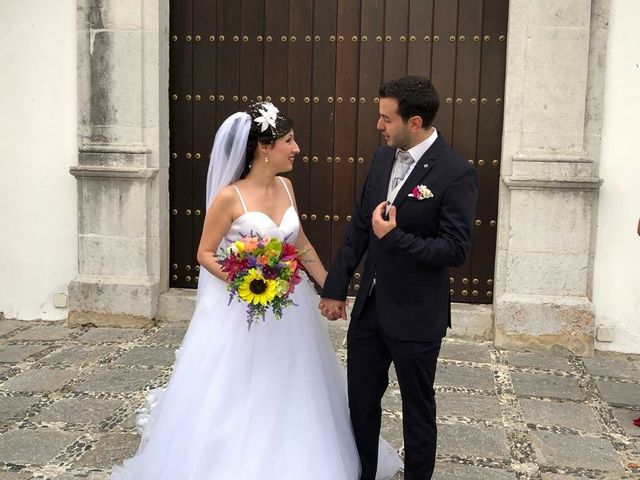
{"x": 68, "y": 398}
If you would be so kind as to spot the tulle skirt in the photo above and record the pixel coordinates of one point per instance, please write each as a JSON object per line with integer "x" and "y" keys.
{"x": 268, "y": 404}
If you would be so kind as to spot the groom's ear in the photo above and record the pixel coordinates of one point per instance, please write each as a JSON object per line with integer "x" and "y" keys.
{"x": 415, "y": 123}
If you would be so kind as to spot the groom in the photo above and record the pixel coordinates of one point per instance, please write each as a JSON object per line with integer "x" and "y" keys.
{"x": 413, "y": 221}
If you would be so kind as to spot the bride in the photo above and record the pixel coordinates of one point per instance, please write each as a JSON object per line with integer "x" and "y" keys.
{"x": 267, "y": 403}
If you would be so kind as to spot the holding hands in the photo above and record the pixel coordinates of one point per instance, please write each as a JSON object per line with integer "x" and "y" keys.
{"x": 333, "y": 309}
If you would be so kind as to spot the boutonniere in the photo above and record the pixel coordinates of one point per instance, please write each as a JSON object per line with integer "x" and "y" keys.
{"x": 421, "y": 192}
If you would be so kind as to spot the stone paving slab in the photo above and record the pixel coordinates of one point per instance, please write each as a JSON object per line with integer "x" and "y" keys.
{"x": 34, "y": 447}
{"x": 610, "y": 365}
{"x": 464, "y": 377}
{"x": 117, "y": 381}
{"x": 110, "y": 335}
{"x": 8, "y": 326}
{"x": 77, "y": 355}
{"x": 110, "y": 450}
{"x": 473, "y": 441}
{"x": 19, "y": 353}
{"x": 625, "y": 418}
{"x": 75, "y": 417}
{"x": 546, "y": 385}
{"x": 570, "y": 415}
{"x": 575, "y": 451}
{"x": 538, "y": 360}
{"x": 43, "y": 333}
{"x": 449, "y": 471}
{"x": 482, "y": 407}
{"x": 465, "y": 352}
{"x": 619, "y": 393}
{"x": 40, "y": 380}
{"x": 78, "y": 410}
{"x": 148, "y": 356}
{"x": 11, "y": 407}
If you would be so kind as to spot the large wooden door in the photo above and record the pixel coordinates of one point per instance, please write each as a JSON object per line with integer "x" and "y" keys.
{"x": 322, "y": 61}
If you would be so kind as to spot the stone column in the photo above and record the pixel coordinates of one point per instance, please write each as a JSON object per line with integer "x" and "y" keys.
{"x": 549, "y": 188}
{"x": 122, "y": 163}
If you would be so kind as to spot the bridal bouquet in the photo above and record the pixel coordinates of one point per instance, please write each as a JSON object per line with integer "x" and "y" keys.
{"x": 261, "y": 271}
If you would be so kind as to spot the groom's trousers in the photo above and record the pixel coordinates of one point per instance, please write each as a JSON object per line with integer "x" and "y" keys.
{"x": 370, "y": 353}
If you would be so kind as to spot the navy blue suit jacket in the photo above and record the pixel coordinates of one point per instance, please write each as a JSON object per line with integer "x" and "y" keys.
{"x": 410, "y": 263}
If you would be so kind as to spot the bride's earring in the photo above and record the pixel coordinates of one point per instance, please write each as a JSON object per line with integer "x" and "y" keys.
{"x": 266, "y": 159}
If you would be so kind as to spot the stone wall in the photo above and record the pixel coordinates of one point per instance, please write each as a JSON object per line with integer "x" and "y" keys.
{"x": 549, "y": 191}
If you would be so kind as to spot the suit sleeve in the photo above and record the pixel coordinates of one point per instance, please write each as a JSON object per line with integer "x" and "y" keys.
{"x": 354, "y": 245}
{"x": 451, "y": 245}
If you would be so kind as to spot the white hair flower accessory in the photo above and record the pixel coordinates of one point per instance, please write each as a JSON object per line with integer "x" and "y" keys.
{"x": 268, "y": 116}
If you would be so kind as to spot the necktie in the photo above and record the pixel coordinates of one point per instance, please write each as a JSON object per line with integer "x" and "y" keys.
{"x": 404, "y": 161}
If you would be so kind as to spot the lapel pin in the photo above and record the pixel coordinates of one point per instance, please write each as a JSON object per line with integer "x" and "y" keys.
{"x": 426, "y": 165}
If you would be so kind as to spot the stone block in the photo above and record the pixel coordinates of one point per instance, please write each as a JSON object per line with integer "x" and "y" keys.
{"x": 568, "y": 13}
{"x": 561, "y": 414}
{"x": 105, "y": 301}
{"x": 116, "y": 86}
{"x": 465, "y": 377}
{"x": 471, "y": 321}
{"x": 44, "y": 333}
{"x": 113, "y": 207}
{"x": 18, "y": 353}
{"x": 478, "y": 407}
{"x": 619, "y": 393}
{"x": 77, "y": 355}
{"x": 543, "y": 361}
{"x": 118, "y": 381}
{"x": 162, "y": 356}
{"x": 539, "y": 322}
{"x": 613, "y": 365}
{"x": 34, "y": 447}
{"x": 8, "y": 326}
{"x": 110, "y": 335}
{"x": 473, "y": 441}
{"x": 169, "y": 334}
{"x": 110, "y": 450}
{"x": 117, "y": 15}
{"x": 78, "y": 410}
{"x": 23, "y": 475}
{"x": 554, "y": 103}
{"x": 575, "y": 451}
{"x": 96, "y": 255}
{"x": 565, "y": 214}
{"x": 540, "y": 385}
{"x": 537, "y": 273}
{"x": 466, "y": 352}
{"x": 40, "y": 380}
{"x": 454, "y": 471}
{"x": 626, "y": 417}
{"x": 14, "y": 406}
{"x": 176, "y": 305}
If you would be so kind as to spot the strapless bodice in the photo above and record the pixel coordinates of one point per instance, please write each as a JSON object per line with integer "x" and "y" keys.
{"x": 252, "y": 222}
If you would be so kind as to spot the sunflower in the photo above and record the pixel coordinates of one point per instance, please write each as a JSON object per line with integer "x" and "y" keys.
{"x": 256, "y": 289}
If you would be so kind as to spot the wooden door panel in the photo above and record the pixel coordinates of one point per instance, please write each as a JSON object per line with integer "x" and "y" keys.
{"x": 322, "y": 62}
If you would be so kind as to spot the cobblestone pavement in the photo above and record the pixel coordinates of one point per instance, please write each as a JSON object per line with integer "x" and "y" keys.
{"x": 68, "y": 399}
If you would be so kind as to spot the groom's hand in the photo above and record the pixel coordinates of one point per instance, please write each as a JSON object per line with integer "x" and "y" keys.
{"x": 381, "y": 226}
{"x": 333, "y": 309}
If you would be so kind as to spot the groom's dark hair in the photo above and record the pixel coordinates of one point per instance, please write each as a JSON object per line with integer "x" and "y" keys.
{"x": 416, "y": 96}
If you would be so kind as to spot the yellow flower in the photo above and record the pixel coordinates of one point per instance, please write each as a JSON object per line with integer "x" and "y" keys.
{"x": 256, "y": 289}
{"x": 239, "y": 246}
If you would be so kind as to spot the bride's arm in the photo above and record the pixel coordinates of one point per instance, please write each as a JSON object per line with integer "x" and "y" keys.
{"x": 308, "y": 255}
{"x": 217, "y": 222}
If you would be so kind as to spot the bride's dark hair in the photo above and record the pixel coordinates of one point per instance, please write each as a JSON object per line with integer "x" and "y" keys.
{"x": 283, "y": 124}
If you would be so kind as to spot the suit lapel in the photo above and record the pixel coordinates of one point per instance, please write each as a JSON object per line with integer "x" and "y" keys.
{"x": 420, "y": 171}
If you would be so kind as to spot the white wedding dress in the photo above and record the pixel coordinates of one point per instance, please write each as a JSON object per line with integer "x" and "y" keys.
{"x": 267, "y": 403}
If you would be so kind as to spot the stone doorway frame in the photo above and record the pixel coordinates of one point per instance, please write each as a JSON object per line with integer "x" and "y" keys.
{"x": 551, "y": 142}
